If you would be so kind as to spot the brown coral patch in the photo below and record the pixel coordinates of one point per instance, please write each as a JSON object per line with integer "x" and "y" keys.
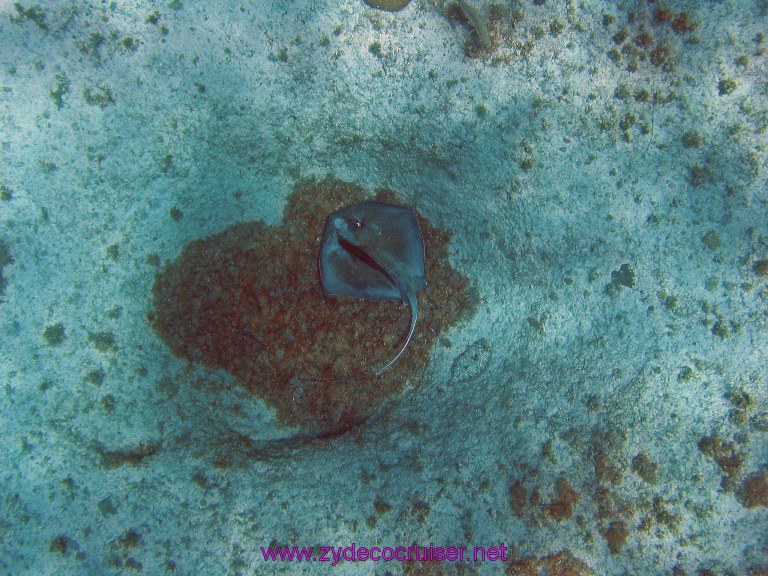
{"x": 248, "y": 300}
{"x": 560, "y": 564}
{"x": 754, "y": 490}
{"x": 561, "y": 506}
{"x": 518, "y": 498}
{"x": 683, "y": 24}
{"x": 726, "y": 454}
{"x": 616, "y": 536}
{"x": 662, "y": 15}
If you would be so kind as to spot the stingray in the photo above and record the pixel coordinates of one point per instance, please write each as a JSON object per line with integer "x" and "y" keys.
{"x": 374, "y": 251}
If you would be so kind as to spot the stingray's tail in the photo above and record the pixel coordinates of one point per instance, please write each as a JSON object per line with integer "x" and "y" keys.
{"x": 411, "y": 297}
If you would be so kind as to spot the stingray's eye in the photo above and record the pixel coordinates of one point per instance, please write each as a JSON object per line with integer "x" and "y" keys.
{"x": 356, "y": 224}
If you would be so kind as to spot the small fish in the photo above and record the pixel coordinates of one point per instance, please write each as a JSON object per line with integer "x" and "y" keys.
{"x": 374, "y": 251}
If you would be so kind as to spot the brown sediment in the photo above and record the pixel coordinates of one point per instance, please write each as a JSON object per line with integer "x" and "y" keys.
{"x": 248, "y": 300}
{"x": 561, "y": 564}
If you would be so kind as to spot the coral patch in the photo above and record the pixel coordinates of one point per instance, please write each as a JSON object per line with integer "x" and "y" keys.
{"x": 249, "y": 300}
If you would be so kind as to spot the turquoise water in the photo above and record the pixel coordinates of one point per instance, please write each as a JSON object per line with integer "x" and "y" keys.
{"x": 602, "y": 170}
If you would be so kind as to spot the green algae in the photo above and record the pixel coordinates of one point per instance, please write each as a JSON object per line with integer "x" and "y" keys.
{"x": 477, "y": 21}
{"x": 100, "y": 96}
{"x": 33, "y": 14}
{"x": 5, "y": 259}
{"x": 388, "y": 5}
{"x": 54, "y": 334}
{"x": 60, "y": 90}
{"x": 102, "y": 341}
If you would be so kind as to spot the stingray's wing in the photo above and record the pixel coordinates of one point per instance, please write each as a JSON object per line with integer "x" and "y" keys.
{"x": 401, "y": 239}
{"x": 345, "y": 270}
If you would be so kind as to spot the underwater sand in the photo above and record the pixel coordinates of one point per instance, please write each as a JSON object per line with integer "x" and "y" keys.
{"x": 602, "y": 171}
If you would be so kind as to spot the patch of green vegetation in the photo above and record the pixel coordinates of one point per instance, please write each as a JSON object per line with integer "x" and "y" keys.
{"x": 5, "y": 259}
{"x": 106, "y": 508}
{"x": 743, "y": 61}
{"x": 608, "y": 19}
{"x": 59, "y": 90}
{"x": 282, "y": 54}
{"x": 686, "y": 374}
{"x": 664, "y": 516}
{"x": 711, "y": 283}
{"x": 761, "y": 267}
{"x": 622, "y": 92}
{"x": 153, "y": 259}
{"x": 621, "y": 36}
{"x": 527, "y": 164}
{"x": 129, "y": 43}
{"x": 692, "y": 139}
{"x": 740, "y": 398}
{"x": 103, "y": 341}
{"x": 538, "y": 322}
{"x": 92, "y": 44}
{"x": 153, "y": 17}
{"x": 54, "y": 335}
{"x": 166, "y": 164}
{"x": 556, "y": 27}
{"x": 726, "y": 86}
{"x": 6, "y": 193}
{"x": 526, "y": 49}
{"x": 699, "y": 175}
{"x": 644, "y": 467}
{"x": 131, "y": 539}
{"x": 538, "y": 32}
{"x": 671, "y": 302}
{"x": 48, "y": 167}
{"x": 113, "y": 251}
{"x": 108, "y": 402}
{"x": 721, "y": 329}
{"x": 95, "y": 377}
{"x": 175, "y": 5}
{"x": 375, "y": 49}
{"x": 642, "y": 95}
{"x": 606, "y": 124}
{"x": 60, "y": 544}
{"x": 34, "y": 14}
{"x": 759, "y": 422}
{"x": 738, "y": 417}
{"x": 627, "y": 121}
{"x": 176, "y": 214}
{"x": 100, "y": 95}
{"x": 712, "y": 240}
{"x": 623, "y": 277}
{"x": 324, "y": 40}
{"x": 481, "y": 110}
{"x": 201, "y": 480}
